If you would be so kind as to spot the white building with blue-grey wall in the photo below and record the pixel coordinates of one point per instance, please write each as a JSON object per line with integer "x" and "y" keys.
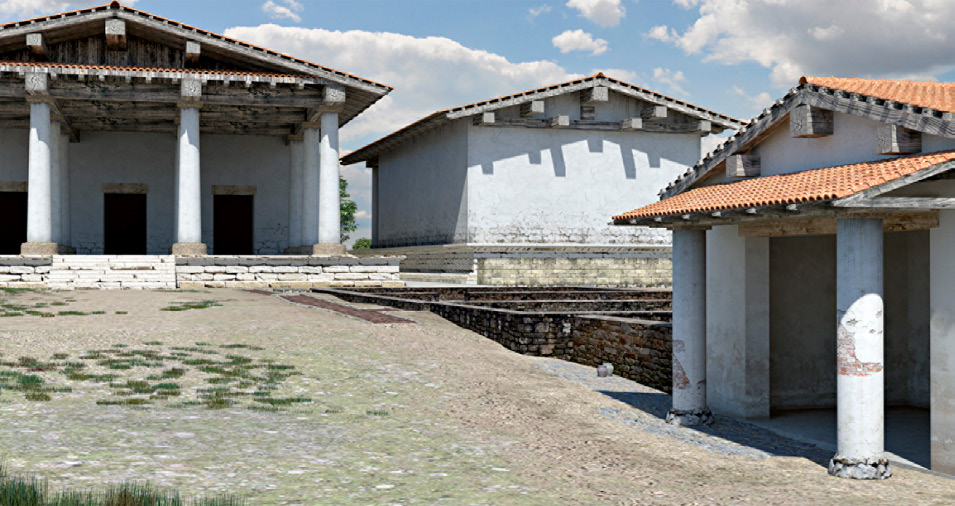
{"x": 516, "y": 189}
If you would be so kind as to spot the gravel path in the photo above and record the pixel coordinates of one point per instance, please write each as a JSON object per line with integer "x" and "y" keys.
{"x": 423, "y": 413}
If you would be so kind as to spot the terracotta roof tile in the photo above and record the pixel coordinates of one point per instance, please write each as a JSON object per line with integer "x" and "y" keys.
{"x": 932, "y": 95}
{"x": 53, "y": 65}
{"x": 807, "y": 186}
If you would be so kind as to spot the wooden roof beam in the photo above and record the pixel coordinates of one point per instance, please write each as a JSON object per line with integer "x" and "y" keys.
{"x": 806, "y": 121}
{"x": 532, "y": 108}
{"x": 193, "y": 51}
{"x": 37, "y": 46}
{"x": 654, "y": 112}
{"x": 594, "y": 95}
{"x": 115, "y": 34}
{"x": 896, "y": 140}
{"x": 742, "y": 166}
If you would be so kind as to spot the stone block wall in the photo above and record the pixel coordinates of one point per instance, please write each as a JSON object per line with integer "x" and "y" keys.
{"x": 608, "y": 270}
{"x": 640, "y": 350}
{"x": 286, "y": 272}
{"x": 69, "y": 272}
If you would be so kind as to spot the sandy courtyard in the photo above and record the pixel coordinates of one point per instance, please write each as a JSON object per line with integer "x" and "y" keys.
{"x": 286, "y": 404}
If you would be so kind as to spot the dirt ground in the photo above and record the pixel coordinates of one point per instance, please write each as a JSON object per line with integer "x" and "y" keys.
{"x": 416, "y": 413}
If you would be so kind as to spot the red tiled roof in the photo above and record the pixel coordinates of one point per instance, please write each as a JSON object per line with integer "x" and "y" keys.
{"x": 53, "y": 65}
{"x": 807, "y": 186}
{"x": 932, "y": 95}
{"x": 117, "y": 6}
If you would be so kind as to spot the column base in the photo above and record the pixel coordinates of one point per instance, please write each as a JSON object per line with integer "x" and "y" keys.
{"x": 46, "y": 249}
{"x": 689, "y": 418}
{"x": 189, "y": 249}
{"x": 328, "y": 249}
{"x": 298, "y": 250}
{"x": 873, "y": 468}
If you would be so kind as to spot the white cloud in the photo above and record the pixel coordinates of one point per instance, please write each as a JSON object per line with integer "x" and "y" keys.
{"x": 865, "y": 38}
{"x": 13, "y": 10}
{"x": 662, "y": 32}
{"x": 533, "y": 12}
{"x": 428, "y": 74}
{"x": 603, "y": 12}
{"x": 579, "y": 40}
{"x": 287, "y": 11}
{"x": 672, "y": 80}
{"x": 757, "y": 102}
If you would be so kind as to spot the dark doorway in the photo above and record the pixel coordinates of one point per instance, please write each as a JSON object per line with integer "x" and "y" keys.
{"x": 125, "y": 224}
{"x": 232, "y": 224}
{"x": 13, "y": 226}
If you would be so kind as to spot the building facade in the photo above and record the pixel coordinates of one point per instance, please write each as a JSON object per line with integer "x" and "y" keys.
{"x": 813, "y": 266}
{"x": 516, "y": 190}
{"x": 125, "y": 133}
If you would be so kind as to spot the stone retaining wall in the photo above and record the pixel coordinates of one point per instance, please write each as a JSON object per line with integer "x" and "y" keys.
{"x": 607, "y": 270}
{"x": 68, "y": 272}
{"x": 639, "y": 349}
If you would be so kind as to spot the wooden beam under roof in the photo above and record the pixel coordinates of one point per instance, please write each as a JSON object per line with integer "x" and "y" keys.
{"x": 742, "y": 166}
{"x": 37, "y": 86}
{"x": 806, "y": 121}
{"x": 594, "y": 94}
{"x": 192, "y": 54}
{"x": 896, "y": 140}
{"x": 115, "y": 34}
{"x": 532, "y": 108}
{"x": 37, "y": 46}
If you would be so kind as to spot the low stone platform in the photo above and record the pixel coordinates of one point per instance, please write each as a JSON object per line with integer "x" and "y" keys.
{"x": 69, "y": 272}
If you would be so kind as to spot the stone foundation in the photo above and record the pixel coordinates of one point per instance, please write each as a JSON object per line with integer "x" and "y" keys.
{"x": 689, "y": 418}
{"x": 536, "y": 265}
{"x": 68, "y": 272}
{"x": 860, "y": 469}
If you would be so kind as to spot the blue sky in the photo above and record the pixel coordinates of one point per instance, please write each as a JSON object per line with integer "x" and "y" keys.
{"x": 732, "y": 56}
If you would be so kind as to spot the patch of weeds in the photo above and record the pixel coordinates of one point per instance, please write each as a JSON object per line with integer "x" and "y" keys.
{"x": 39, "y": 313}
{"x": 185, "y": 306}
{"x": 58, "y": 303}
{"x": 218, "y": 380}
{"x": 153, "y": 343}
{"x": 71, "y": 313}
{"x": 29, "y": 381}
{"x": 168, "y": 386}
{"x": 120, "y": 346}
{"x": 333, "y": 411}
{"x": 376, "y": 412}
{"x": 60, "y": 356}
{"x": 98, "y": 312}
{"x": 203, "y": 343}
{"x": 36, "y": 396}
{"x": 122, "y": 312}
{"x": 235, "y": 346}
{"x": 279, "y": 401}
{"x": 267, "y": 409}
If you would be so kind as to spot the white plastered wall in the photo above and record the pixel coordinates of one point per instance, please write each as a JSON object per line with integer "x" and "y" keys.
{"x": 421, "y": 189}
{"x": 943, "y": 344}
{"x": 547, "y": 185}
{"x": 149, "y": 158}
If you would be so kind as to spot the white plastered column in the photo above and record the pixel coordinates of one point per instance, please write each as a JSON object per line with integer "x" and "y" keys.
{"x": 66, "y": 229}
{"x": 310, "y": 178}
{"x": 56, "y": 184}
{"x": 39, "y": 205}
{"x": 860, "y": 408}
{"x": 689, "y": 329}
{"x": 329, "y": 201}
{"x": 296, "y": 193}
{"x": 188, "y": 182}
{"x": 942, "y": 368}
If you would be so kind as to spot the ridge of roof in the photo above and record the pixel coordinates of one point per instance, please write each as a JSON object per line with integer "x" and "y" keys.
{"x": 114, "y": 5}
{"x": 463, "y": 110}
{"x": 812, "y": 185}
{"x": 779, "y": 108}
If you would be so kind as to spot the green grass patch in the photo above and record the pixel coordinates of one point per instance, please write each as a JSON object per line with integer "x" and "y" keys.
{"x": 376, "y": 412}
{"x": 122, "y": 312}
{"x": 279, "y": 401}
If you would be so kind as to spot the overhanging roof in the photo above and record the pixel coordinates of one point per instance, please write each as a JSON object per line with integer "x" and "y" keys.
{"x": 829, "y": 184}
{"x": 360, "y": 93}
{"x": 927, "y": 107}
{"x": 439, "y": 118}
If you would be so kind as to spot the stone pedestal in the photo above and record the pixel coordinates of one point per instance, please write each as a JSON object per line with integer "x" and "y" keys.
{"x": 45, "y": 249}
{"x": 328, "y": 250}
{"x": 298, "y": 250}
{"x": 189, "y": 249}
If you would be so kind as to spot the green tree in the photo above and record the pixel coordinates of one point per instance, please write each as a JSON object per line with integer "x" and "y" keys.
{"x": 348, "y": 208}
{"x": 363, "y": 243}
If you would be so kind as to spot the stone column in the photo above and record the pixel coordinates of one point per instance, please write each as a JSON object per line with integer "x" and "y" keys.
{"x": 39, "y": 205}
{"x": 189, "y": 212}
{"x": 942, "y": 345}
{"x": 689, "y": 329}
{"x": 66, "y": 228}
{"x": 860, "y": 407}
{"x": 56, "y": 184}
{"x": 329, "y": 201}
{"x": 296, "y": 194}
{"x": 310, "y": 158}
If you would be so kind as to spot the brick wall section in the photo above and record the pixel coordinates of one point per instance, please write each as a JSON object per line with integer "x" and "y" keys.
{"x": 639, "y": 349}
{"x": 599, "y": 271}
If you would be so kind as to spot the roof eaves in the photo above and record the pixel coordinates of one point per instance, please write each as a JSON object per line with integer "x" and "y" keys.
{"x": 914, "y": 117}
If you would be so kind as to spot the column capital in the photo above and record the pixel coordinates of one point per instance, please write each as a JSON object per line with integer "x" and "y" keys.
{"x": 190, "y": 90}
